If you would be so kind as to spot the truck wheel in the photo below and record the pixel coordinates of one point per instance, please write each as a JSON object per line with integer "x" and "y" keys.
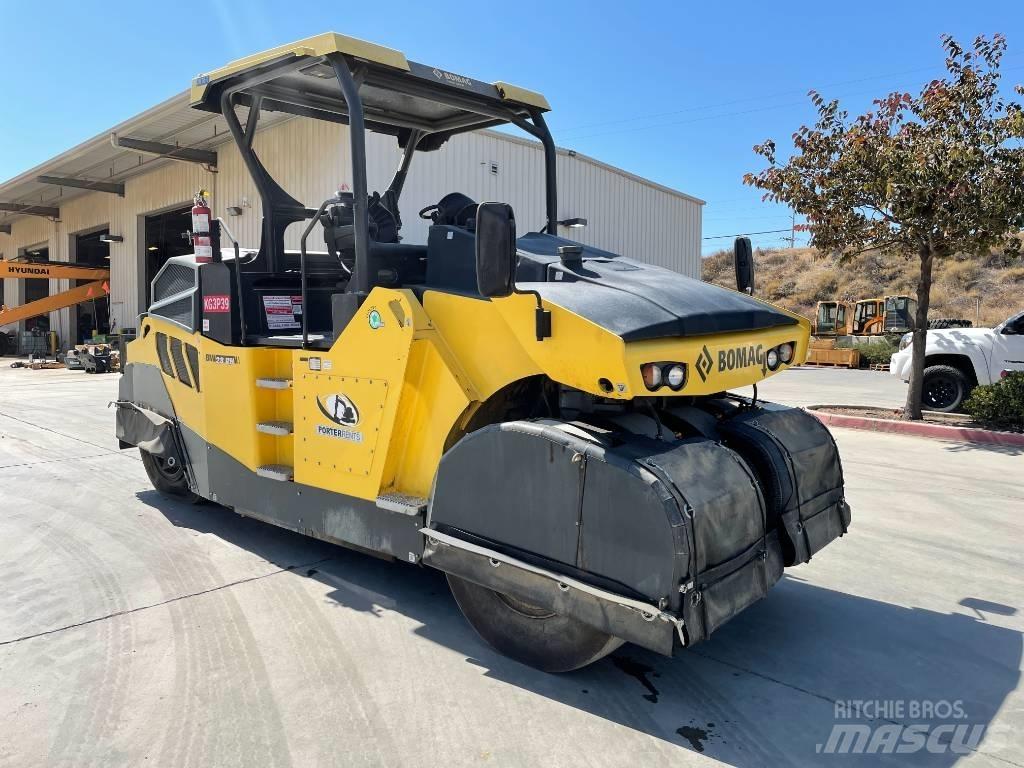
{"x": 530, "y": 634}
{"x": 944, "y": 389}
{"x": 168, "y": 477}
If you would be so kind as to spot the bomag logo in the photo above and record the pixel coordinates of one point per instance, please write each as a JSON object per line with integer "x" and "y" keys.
{"x": 704, "y": 363}
{"x": 741, "y": 357}
{"x": 729, "y": 359}
{"x": 451, "y": 77}
{"x": 30, "y": 270}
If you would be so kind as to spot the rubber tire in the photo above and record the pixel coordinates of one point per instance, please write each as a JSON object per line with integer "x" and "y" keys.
{"x": 169, "y": 483}
{"x": 550, "y": 643}
{"x": 955, "y": 377}
{"x": 943, "y": 323}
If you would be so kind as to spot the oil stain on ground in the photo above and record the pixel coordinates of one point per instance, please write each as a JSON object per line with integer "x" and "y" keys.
{"x": 640, "y": 672}
{"x": 696, "y": 736}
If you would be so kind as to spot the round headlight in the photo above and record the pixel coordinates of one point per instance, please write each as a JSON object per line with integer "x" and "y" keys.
{"x": 675, "y": 376}
{"x": 786, "y": 353}
{"x": 652, "y": 375}
{"x": 772, "y": 359}
{"x": 906, "y": 340}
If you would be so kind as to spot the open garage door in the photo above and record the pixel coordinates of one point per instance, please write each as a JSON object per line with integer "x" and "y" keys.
{"x": 93, "y": 315}
{"x": 166, "y": 236}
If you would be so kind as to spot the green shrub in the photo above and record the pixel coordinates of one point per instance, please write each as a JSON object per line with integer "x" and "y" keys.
{"x": 999, "y": 405}
{"x": 876, "y": 353}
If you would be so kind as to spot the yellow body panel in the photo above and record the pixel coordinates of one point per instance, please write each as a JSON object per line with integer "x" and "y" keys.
{"x": 318, "y": 45}
{"x": 332, "y": 42}
{"x": 374, "y": 413}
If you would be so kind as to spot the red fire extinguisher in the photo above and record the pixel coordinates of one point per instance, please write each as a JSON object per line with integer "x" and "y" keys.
{"x": 202, "y": 245}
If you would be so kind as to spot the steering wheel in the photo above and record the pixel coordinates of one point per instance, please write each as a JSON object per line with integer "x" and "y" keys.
{"x": 429, "y": 212}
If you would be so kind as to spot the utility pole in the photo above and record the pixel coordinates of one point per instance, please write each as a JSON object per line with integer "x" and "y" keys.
{"x": 792, "y": 230}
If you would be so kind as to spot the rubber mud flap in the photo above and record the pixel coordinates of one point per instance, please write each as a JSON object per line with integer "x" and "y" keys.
{"x": 714, "y": 604}
{"x": 679, "y": 524}
{"x": 801, "y": 476}
{"x": 146, "y": 429}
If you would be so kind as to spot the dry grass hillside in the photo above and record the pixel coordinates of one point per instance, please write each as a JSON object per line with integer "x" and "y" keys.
{"x": 797, "y": 279}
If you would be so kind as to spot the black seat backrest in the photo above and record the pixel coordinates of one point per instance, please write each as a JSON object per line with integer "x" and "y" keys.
{"x": 451, "y": 259}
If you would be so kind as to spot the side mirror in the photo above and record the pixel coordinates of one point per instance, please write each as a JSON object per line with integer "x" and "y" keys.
{"x": 495, "y": 249}
{"x": 743, "y": 256}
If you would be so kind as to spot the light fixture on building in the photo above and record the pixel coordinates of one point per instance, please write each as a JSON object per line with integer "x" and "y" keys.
{"x": 574, "y": 223}
{"x": 234, "y": 210}
{"x": 153, "y": 248}
{"x": 111, "y": 239}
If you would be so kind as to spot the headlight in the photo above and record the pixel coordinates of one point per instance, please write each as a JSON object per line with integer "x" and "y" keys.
{"x": 786, "y": 353}
{"x": 906, "y": 340}
{"x": 661, "y": 374}
{"x": 772, "y": 359}
{"x": 675, "y": 375}
{"x": 652, "y": 375}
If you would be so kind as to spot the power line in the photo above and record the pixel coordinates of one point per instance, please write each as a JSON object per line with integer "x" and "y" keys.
{"x": 744, "y": 234}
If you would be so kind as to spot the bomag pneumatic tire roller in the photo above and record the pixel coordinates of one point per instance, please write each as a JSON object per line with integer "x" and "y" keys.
{"x": 545, "y": 422}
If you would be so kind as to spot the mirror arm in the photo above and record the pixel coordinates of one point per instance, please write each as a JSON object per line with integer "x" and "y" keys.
{"x": 542, "y": 317}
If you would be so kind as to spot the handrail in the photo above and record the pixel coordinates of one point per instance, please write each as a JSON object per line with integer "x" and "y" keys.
{"x": 302, "y": 265}
{"x": 238, "y": 277}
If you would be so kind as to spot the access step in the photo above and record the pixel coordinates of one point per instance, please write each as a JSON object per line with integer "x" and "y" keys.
{"x": 280, "y": 472}
{"x": 279, "y": 428}
{"x": 402, "y": 503}
{"x": 272, "y": 383}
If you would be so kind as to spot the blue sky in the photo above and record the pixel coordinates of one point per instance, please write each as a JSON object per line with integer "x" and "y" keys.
{"x": 677, "y": 92}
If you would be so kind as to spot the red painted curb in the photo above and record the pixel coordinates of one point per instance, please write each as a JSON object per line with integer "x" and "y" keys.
{"x": 919, "y": 429}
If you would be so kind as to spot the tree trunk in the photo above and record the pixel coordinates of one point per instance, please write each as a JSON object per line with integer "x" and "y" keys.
{"x": 912, "y": 410}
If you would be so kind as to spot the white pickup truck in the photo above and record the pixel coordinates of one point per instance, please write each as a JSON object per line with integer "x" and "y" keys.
{"x": 959, "y": 359}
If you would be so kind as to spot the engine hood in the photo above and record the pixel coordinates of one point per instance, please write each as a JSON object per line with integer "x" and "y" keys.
{"x": 635, "y": 300}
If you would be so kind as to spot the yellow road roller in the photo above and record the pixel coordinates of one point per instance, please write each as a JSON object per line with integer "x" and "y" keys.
{"x": 546, "y": 422}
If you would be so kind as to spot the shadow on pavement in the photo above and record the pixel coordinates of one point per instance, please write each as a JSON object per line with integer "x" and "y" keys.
{"x": 1005, "y": 450}
{"x": 765, "y": 690}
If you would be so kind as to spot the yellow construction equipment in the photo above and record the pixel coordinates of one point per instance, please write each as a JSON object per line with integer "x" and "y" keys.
{"x": 545, "y": 422}
{"x": 833, "y": 318}
{"x": 891, "y": 314}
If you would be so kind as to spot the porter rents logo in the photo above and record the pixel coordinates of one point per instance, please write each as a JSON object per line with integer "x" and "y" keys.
{"x": 935, "y": 727}
{"x": 339, "y": 409}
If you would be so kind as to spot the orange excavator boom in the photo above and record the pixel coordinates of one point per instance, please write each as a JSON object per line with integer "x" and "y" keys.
{"x": 52, "y": 270}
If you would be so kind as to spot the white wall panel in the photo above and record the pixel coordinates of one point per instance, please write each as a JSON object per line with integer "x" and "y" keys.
{"x": 310, "y": 160}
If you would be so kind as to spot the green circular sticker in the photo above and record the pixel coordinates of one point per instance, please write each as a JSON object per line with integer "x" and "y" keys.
{"x": 376, "y": 321}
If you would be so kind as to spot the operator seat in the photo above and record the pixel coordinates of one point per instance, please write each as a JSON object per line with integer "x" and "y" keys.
{"x": 451, "y": 244}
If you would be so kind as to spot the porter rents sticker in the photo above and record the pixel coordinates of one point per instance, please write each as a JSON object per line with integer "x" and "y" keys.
{"x": 282, "y": 311}
{"x": 217, "y": 302}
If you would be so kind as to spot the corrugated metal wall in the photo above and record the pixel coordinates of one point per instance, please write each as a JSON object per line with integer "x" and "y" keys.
{"x": 310, "y": 160}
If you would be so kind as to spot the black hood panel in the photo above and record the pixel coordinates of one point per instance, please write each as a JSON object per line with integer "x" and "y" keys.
{"x": 635, "y": 300}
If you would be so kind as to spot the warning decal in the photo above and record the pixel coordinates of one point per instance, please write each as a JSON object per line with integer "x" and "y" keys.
{"x": 282, "y": 311}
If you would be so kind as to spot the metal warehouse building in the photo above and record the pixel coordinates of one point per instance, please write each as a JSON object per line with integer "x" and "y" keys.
{"x": 123, "y": 198}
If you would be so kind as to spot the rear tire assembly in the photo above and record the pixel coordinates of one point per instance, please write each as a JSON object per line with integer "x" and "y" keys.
{"x": 530, "y": 634}
{"x": 168, "y": 477}
{"x": 943, "y": 323}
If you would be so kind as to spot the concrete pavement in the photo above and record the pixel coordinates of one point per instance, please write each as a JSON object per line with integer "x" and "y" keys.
{"x": 138, "y": 630}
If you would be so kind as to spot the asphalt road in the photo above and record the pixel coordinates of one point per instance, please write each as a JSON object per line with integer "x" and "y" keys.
{"x": 135, "y": 630}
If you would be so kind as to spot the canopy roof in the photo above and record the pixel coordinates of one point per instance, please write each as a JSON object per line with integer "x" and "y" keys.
{"x": 397, "y": 94}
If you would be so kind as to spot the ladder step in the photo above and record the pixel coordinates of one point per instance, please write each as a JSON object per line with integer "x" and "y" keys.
{"x": 401, "y": 503}
{"x": 279, "y": 428}
{"x": 272, "y": 383}
{"x": 275, "y": 472}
